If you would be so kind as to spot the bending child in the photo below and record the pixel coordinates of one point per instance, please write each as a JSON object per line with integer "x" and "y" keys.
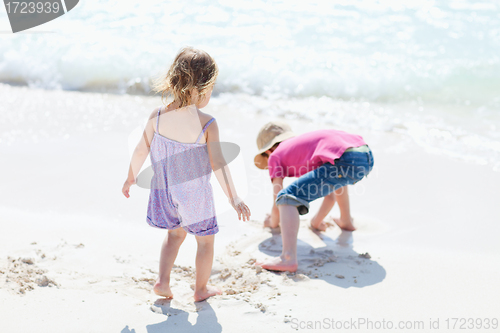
{"x": 185, "y": 149}
{"x": 325, "y": 162}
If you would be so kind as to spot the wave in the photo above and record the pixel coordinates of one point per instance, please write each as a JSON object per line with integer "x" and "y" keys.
{"x": 464, "y": 84}
{"x": 412, "y": 50}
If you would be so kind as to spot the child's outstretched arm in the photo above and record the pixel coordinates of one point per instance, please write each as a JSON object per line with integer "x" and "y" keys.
{"x": 273, "y": 220}
{"x": 140, "y": 154}
{"x": 221, "y": 170}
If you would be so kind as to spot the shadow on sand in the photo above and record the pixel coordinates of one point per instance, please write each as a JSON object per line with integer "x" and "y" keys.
{"x": 177, "y": 320}
{"x": 336, "y": 262}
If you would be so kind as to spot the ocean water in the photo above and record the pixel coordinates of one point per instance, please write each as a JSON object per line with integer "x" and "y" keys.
{"x": 427, "y": 69}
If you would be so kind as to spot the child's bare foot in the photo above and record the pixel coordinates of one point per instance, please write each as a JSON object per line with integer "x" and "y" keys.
{"x": 162, "y": 289}
{"x": 278, "y": 264}
{"x": 209, "y": 291}
{"x": 322, "y": 226}
{"x": 345, "y": 224}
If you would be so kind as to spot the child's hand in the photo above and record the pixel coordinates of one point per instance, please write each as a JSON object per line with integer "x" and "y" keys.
{"x": 126, "y": 187}
{"x": 241, "y": 209}
{"x": 267, "y": 221}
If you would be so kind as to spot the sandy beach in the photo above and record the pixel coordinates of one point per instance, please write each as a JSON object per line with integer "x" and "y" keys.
{"x": 77, "y": 256}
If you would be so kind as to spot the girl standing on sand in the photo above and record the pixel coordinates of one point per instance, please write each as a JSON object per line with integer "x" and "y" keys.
{"x": 325, "y": 162}
{"x": 184, "y": 146}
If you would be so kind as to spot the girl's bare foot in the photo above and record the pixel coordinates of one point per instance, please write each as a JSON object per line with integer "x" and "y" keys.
{"x": 345, "y": 224}
{"x": 162, "y": 289}
{"x": 203, "y": 294}
{"x": 278, "y": 264}
{"x": 322, "y": 226}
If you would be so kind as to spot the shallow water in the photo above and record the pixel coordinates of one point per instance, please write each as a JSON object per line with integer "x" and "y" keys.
{"x": 427, "y": 69}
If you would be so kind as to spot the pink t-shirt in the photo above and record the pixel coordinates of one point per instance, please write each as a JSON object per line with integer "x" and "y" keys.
{"x": 303, "y": 153}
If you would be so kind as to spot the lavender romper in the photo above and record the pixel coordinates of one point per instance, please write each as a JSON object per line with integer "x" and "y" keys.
{"x": 181, "y": 194}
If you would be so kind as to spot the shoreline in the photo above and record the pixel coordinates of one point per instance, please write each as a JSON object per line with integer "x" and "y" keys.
{"x": 433, "y": 127}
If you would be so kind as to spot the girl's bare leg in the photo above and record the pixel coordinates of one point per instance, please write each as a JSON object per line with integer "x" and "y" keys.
{"x": 289, "y": 221}
{"x": 204, "y": 260}
{"x": 318, "y": 221}
{"x": 169, "y": 250}
{"x": 345, "y": 220}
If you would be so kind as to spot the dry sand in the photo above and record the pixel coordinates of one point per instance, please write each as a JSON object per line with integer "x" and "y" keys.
{"x": 76, "y": 256}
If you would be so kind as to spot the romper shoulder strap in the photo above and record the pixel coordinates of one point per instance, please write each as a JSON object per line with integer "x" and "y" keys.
{"x": 158, "y": 120}
{"x": 204, "y": 129}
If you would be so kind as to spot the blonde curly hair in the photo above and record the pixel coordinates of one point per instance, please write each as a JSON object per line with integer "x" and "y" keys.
{"x": 192, "y": 69}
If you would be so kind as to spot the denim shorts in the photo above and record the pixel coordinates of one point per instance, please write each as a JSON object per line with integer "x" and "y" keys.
{"x": 348, "y": 169}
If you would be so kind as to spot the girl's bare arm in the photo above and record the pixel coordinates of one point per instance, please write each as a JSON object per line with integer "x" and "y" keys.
{"x": 140, "y": 154}
{"x": 221, "y": 170}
